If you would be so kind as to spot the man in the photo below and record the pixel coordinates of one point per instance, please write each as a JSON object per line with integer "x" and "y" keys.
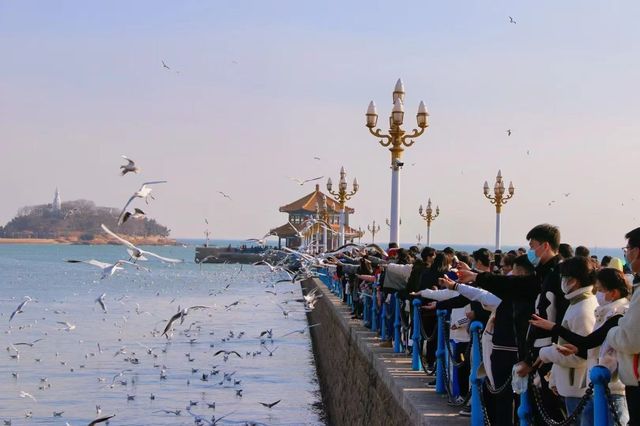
{"x": 625, "y": 338}
{"x": 544, "y": 241}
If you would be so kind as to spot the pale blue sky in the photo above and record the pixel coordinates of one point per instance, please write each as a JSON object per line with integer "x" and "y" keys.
{"x": 266, "y": 86}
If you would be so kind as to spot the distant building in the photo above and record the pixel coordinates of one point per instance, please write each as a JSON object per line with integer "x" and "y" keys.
{"x": 311, "y": 206}
{"x": 56, "y": 206}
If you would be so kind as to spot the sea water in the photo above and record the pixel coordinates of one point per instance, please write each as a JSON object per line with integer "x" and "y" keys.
{"x": 67, "y": 372}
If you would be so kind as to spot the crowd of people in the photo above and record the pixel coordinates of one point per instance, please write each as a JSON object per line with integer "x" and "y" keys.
{"x": 549, "y": 314}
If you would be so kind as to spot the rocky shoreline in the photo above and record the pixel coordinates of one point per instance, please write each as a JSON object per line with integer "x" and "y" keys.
{"x": 98, "y": 240}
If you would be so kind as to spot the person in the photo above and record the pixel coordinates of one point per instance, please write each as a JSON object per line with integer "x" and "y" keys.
{"x": 569, "y": 373}
{"x": 604, "y": 263}
{"x": 582, "y": 251}
{"x": 507, "y": 264}
{"x": 612, "y": 295}
{"x": 565, "y": 251}
{"x": 625, "y": 338}
{"x": 545, "y": 291}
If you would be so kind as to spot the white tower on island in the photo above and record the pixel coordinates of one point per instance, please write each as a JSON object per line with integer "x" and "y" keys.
{"x": 56, "y": 206}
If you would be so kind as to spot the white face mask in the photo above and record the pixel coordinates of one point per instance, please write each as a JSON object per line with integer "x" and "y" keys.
{"x": 564, "y": 285}
{"x": 600, "y": 296}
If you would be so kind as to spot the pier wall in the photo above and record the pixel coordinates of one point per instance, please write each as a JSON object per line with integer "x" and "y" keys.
{"x": 363, "y": 384}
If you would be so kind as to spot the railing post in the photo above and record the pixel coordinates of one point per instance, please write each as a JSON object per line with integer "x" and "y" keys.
{"x": 374, "y": 308}
{"x": 415, "y": 352}
{"x": 525, "y": 410}
{"x": 477, "y": 419}
{"x": 383, "y": 322}
{"x": 441, "y": 353}
{"x": 397, "y": 345}
{"x": 600, "y": 377}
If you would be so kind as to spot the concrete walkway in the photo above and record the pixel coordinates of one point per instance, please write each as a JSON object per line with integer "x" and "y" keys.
{"x": 421, "y": 404}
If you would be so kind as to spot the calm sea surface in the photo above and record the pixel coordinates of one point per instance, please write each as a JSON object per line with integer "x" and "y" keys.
{"x": 66, "y": 371}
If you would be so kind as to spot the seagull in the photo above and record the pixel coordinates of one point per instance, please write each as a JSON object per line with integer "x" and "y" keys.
{"x": 27, "y": 343}
{"x": 224, "y": 195}
{"x": 129, "y": 167}
{"x": 24, "y": 394}
{"x": 508, "y": 132}
{"x": 227, "y": 353}
{"x": 180, "y": 315}
{"x": 68, "y": 325}
{"x": 108, "y": 269}
{"x": 302, "y": 330}
{"x": 302, "y": 182}
{"x": 511, "y": 20}
{"x": 101, "y": 420}
{"x": 143, "y": 192}
{"x": 137, "y": 253}
{"x": 270, "y": 405}
{"x": 164, "y": 65}
{"x": 100, "y": 301}
{"x": 566, "y": 194}
{"x": 176, "y": 412}
{"x": 18, "y": 310}
{"x": 316, "y": 158}
{"x": 137, "y": 214}
{"x": 269, "y": 350}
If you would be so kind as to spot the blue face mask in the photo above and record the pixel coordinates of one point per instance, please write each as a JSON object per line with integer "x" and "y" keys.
{"x": 533, "y": 258}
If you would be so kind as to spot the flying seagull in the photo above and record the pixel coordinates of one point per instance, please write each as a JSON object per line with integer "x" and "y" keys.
{"x": 137, "y": 214}
{"x": 227, "y": 353}
{"x": 508, "y": 132}
{"x": 101, "y": 420}
{"x": 100, "y": 301}
{"x": 143, "y": 192}
{"x": 18, "y": 310}
{"x": 224, "y": 195}
{"x": 108, "y": 269}
{"x": 24, "y": 394}
{"x": 301, "y": 331}
{"x": 180, "y": 315}
{"x": 164, "y": 65}
{"x": 130, "y": 167}
{"x": 270, "y": 405}
{"x": 302, "y": 182}
{"x": 137, "y": 253}
{"x": 511, "y": 20}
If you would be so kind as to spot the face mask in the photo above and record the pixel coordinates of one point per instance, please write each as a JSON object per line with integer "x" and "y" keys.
{"x": 564, "y": 285}
{"x": 600, "y": 296}
{"x": 533, "y": 258}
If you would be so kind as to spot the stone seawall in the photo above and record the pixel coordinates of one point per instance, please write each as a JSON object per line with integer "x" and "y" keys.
{"x": 363, "y": 384}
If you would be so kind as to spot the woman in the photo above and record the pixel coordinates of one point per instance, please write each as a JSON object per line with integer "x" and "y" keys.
{"x": 569, "y": 373}
{"x": 612, "y": 294}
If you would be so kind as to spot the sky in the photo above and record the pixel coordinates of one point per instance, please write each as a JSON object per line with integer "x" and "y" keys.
{"x": 257, "y": 89}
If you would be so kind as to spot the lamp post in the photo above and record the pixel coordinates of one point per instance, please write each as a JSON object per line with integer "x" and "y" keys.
{"x": 429, "y": 217}
{"x": 419, "y": 238}
{"x": 324, "y": 215}
{"x": 396, "y": 139}
{"x": 374, "y": 229}
{"x": 498, "y": 199}
{"x": 341, "y": 196}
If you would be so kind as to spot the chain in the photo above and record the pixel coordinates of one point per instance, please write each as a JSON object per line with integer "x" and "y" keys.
{"x": 483, "y": 405}
{"x": 546, "y": 418}
{"x": 424, "y": 332}
{"x": 466, "y": 355}
{"x": 493, "y": 390}
{"x": 612, "y": 407}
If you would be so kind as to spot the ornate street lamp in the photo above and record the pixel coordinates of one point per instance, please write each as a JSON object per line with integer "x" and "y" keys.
{"x": 341, "y": 196}
{"x": 429, "y": 217}
{"x": 499, "y": 199}
{"x": 374, "y": 229}
{"x": 396, "y": 139}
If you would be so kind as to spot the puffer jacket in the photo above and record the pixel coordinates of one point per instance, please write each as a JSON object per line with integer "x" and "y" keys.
{"x": 625, "y": 339}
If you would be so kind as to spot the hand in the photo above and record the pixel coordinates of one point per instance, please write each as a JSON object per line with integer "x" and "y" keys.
{"x": 429, "y": 306}
{"x": 466, "y": 276}
{"x": 471, "y": 315}
{"x": 567, "y": 349}
{"x": 555, "y": 390}
{"x": 541, "y": 322}
{"x": 523, "y": 369}
{"x": 446, "y": 282}
{"x": 462, "y": 266}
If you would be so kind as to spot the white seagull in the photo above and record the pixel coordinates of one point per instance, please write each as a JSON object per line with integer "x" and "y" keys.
{"x": 303, "y": 181}
{"x": 137, "y": 214}
{"x": 108, "y": 269}
{"x": 18, "y": 310}
{"x": 143, "y": 192}
{"x": 129, "y": 167}
{"x": 180, "y": 315}
{"x": 100, "y": 301}
{"x": 137, "y": 253}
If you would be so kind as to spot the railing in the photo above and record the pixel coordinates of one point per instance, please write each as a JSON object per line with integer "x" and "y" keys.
{"x": 376, "y": 319}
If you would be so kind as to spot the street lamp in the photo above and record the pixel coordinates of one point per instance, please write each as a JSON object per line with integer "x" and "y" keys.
{"x": 429, "y": 217}
{"x": 374, "y": 230}
{"x": 341, "y": 196}
{"x": 499, "y": 199}
{"x": 396, "y": 139}
{"x": 419, "y": 238}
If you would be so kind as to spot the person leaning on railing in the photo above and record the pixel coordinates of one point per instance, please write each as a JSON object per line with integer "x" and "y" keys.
{"x": 612, "y": 293}
{"x": 625, "y": 338}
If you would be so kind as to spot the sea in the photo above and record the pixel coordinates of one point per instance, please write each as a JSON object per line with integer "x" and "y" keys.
{"x": 62, "y": 355}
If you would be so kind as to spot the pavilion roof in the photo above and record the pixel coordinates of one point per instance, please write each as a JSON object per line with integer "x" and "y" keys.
{"x": 308, "y": 204}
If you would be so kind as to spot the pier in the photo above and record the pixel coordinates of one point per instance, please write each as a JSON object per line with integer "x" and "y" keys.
{"x": 363, "y": 383}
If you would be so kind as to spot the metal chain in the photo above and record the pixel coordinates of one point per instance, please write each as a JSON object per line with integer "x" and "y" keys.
{"x": 447, "y": 386}
{"x": 546, "y": 418}
{"x": 612, "y": 407}
{"x": 493, "y": 390}
{"x": 483, "y": 405}
{"x": 466, "y": 355}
